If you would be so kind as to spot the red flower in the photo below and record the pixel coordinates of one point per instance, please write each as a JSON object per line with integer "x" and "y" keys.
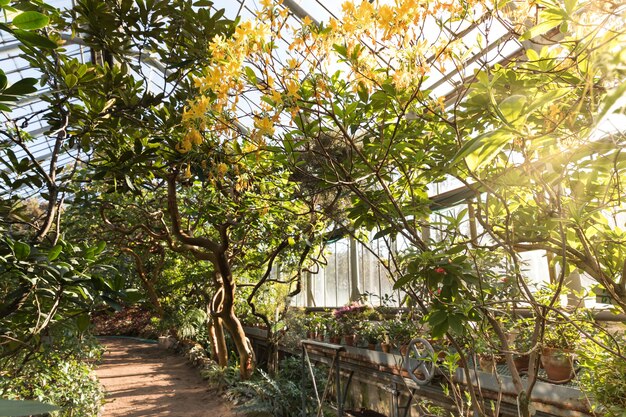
{"x": 440, "y": 270}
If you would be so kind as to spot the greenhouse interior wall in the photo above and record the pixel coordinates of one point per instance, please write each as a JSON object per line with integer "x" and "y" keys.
{"x": 354, "y": 270}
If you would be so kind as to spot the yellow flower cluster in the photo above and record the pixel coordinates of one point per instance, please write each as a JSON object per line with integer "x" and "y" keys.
{"x": 388, "y": 42}
{"x": 193, "y": 137}
{"x": 224, "y": 77}
{"x": 265, "y": 126}
{"x": 399, "y": 31}
{"x": 222, "y": 169}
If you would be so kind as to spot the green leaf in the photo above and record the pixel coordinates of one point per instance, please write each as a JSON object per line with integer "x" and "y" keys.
{"x": 437, "y": 317}
{"x": 112, "y": 303}
{"x": 22, "y": 250}
{"x": 30, "y": 20}
{"x": 3, "y": 80}
{"x": 100, "y": 247}
{"x": 402, "y": 281}
{"x": 383, "y": 232}
{"x": 133, "y": 295}
{"x": 82, "y": 322}
{"x": 439, "y": 330}
{"x": 512, "y": 107}
{"x": 483, "y": 148}
{"x": 54, "y": 252}
{"x": 33, "y": 39}
{"x": 341, "y": 49}
{"x": 363, "y": 93}
{"x": 71, "y": 80}
{"x": 456, "y": 324}
{"x": 570, "y": 5}
{"x": 7, "y": 98}
{"x": 22, "y": 87}
{"x": 540, "y": 29}
{"x": 251, "y": 75}
{"x": 15, "y": 408}
{"x": 129, "y": 183}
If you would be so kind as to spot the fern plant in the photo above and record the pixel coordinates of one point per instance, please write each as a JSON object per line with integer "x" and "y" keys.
{"x": 269, "y": 397}
{"x": 277, "y": 397}
{"x": 191, "y": 323}
{"x": 221, "y": 379}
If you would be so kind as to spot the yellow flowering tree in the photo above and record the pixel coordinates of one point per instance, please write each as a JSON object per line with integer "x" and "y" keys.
{"x": 356, "y": 104}
{"x": 210, "y": 192}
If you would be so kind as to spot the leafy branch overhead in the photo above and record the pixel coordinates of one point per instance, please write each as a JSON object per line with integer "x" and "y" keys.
{"x": 217, "y": 158}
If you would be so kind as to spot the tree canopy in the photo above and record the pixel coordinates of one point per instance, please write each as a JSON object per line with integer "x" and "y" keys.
{"x": 202, "y": 139}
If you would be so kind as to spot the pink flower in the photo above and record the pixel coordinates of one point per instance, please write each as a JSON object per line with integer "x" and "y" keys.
{"x": 440, "y": 270}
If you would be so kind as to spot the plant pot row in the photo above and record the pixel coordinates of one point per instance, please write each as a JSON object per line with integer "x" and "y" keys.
{"x": 352, "y": 340}
{"x": 558, "y": 364}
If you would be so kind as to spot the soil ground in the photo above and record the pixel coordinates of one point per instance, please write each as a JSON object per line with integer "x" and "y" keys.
{"x": 141, "y": 379}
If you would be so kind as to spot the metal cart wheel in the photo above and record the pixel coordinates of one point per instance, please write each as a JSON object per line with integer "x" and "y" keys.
{"x": 419, "y": 361}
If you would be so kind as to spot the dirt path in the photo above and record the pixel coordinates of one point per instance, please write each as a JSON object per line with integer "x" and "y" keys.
{"x": 142, "y": 380}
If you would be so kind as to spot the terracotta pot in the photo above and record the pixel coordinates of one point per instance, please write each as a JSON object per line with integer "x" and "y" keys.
{"x": 521, "y": 362}
{"x": 404, "y": 349}
{"x": 371, "y": 346}
{"x": 558, "y": 363}
{"x": 350, "y": 339}
{"x": 487, "y": 363}
{"x": 385, "y": 347}
{"x": 335, "y": 339}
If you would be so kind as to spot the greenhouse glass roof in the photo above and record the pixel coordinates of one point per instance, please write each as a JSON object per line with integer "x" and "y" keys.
{"x": 486, "y": 42}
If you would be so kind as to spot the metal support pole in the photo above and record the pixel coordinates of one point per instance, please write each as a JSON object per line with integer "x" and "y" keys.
{"x": 346, "y": 387}
{"x": 338, "y": 385}
{"x": 395, "y": 401}
{"x": 355, "y": 291}
{"x": 337, "y": 349}
{"x": 302, "y": 383}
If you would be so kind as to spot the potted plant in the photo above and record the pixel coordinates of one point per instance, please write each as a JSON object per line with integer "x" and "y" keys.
{"x": 401, "y": 332}
{"x": 385, "y": 342}
{"x": 487, "y": 350}
{"x": 316, "y": 326}
{"x": 334, "y": 330}
{"x": 560, "y": 340}
{"x": 350, "y": 319}
{"x": 486, "y": 355}
{"x": 306, "y": 322}
{"x": 371, "y": 333}
{"x": 522, "y": 344}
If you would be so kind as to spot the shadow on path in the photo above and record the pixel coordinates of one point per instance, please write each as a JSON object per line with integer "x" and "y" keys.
{"x": 141, "y": 379}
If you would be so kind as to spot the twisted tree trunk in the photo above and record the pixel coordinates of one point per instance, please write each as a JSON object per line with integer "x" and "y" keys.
{"x": 223, "y": 307}
{"x": 218, "y": 341}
